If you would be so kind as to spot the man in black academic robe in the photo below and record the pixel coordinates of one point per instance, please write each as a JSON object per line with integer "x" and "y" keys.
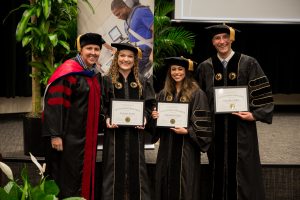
{"x": 234, "y": 155}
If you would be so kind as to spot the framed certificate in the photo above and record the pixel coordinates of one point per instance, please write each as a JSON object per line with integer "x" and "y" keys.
{"x": 231, "y": 99}
{"x": 172, "y": 114}
{"x": 127, "y": 112}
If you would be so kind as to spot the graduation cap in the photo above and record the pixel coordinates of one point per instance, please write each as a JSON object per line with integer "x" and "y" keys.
{"x": 128, "y": 46}
{"x": 222, "y": 28}
{"x": 89, "y": 38}
{"x": 181, "y": 61}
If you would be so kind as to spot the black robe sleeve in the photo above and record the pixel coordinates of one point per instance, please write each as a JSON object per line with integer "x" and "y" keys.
{"x": 107, "y": 94}
{"x": 149, "y": 98}
{"x": 150, "y": 103}
{"x": 260, "y": 92}
{"x": 200, "y": 127}
{"x": 57, "y": 103}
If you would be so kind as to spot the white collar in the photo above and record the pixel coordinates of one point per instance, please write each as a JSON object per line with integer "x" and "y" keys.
{"x": 228, "y": 57}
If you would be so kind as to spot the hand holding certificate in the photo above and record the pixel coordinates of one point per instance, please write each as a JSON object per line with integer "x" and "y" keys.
{"x": 172, "y": 114}
{"x": 127, "y": 113}
{"x": 231, "y": 99}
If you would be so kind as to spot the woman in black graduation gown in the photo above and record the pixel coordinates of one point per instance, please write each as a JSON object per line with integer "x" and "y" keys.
{"x": 178, "y": 159}
{"x": 124, "y": 168}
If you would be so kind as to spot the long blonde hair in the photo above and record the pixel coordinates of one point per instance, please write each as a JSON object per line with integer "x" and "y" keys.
{"x": 114, "y": 71}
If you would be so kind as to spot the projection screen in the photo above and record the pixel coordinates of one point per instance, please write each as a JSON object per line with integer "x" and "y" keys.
{"x": 268, "y": 11}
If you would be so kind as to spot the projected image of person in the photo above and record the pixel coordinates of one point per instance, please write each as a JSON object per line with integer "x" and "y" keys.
{"x": 234, "y": 155}
{"x": 138, "y": 24}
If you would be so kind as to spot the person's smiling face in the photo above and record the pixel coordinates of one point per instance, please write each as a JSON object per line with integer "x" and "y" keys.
{"x": 222, "y": 43}
{"x": 90, "y": 54}
{"x": 177, "y": 73}
{"x": 125, "y": 60}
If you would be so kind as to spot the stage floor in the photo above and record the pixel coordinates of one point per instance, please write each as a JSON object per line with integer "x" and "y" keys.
{"x": 279, "y": 152}
{"x": 278, "y": 142}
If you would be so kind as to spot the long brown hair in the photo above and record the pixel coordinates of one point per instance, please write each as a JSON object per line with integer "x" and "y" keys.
{"x": 188, "y": 86}
{"x": 114, "y": 71}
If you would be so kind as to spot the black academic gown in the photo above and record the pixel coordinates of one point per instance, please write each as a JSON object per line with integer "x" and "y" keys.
{"x": 72, "y": 106}
{"x": 178, "y": 160}
{"x": 234, "y": 157}
{"x": 124, "y": 167}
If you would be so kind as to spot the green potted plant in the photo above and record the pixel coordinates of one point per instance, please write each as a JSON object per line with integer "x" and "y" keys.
{"x": 169, "y": 40}
{"x": 46, "y": 28}
{"x": 23, "y": 189}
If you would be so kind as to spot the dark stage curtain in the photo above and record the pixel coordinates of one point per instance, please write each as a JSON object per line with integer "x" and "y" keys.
{"x": 15, "y": 80}
{"x": 273, "y": 45}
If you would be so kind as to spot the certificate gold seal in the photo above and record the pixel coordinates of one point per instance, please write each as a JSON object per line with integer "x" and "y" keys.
{"x": 169, "y": 98}
{"x": 172, "y": 121}
{"x": 127, "y": 119}
{"x": 183, "y": 99}
{"x": 232, "y": 106}
{"x": 232, "y": 76}
{"x": 133, "y": 84}
{"x": 118, "y": 85}
{"x": 218, "y": 76}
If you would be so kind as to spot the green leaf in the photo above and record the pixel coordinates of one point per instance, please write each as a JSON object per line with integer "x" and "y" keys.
{"x": 38, "y": 194}
{"x": 37, "y": 64}
{"x": 51, "y": 187}
{"x": 14, "y": 10}
{"x": 35, "y": 31}
{"x": 8, "y": 186}
{"x": 42, "y": 46}
{"x": 64, "y": 44}
{"x": 24, "y": 174}
{"x": 162, "y": 8}
{"x": 46, "y": 8}
{"x": 53, "y": 39}
{"x": 49, "y": 68}
{"x": 49, "y": 17}
{"x": 170, "y": 40}
{"x": 26, "y": 40}
{"x": 4, "y": 195}
{"x": 13, "y": 190}
{"x": 22, "y": 25}
{"x": 38, "y": 11}
{"x": 13, "y": 193}
{"x": 44, "y": 26}
{"x": 25, "y": 190}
